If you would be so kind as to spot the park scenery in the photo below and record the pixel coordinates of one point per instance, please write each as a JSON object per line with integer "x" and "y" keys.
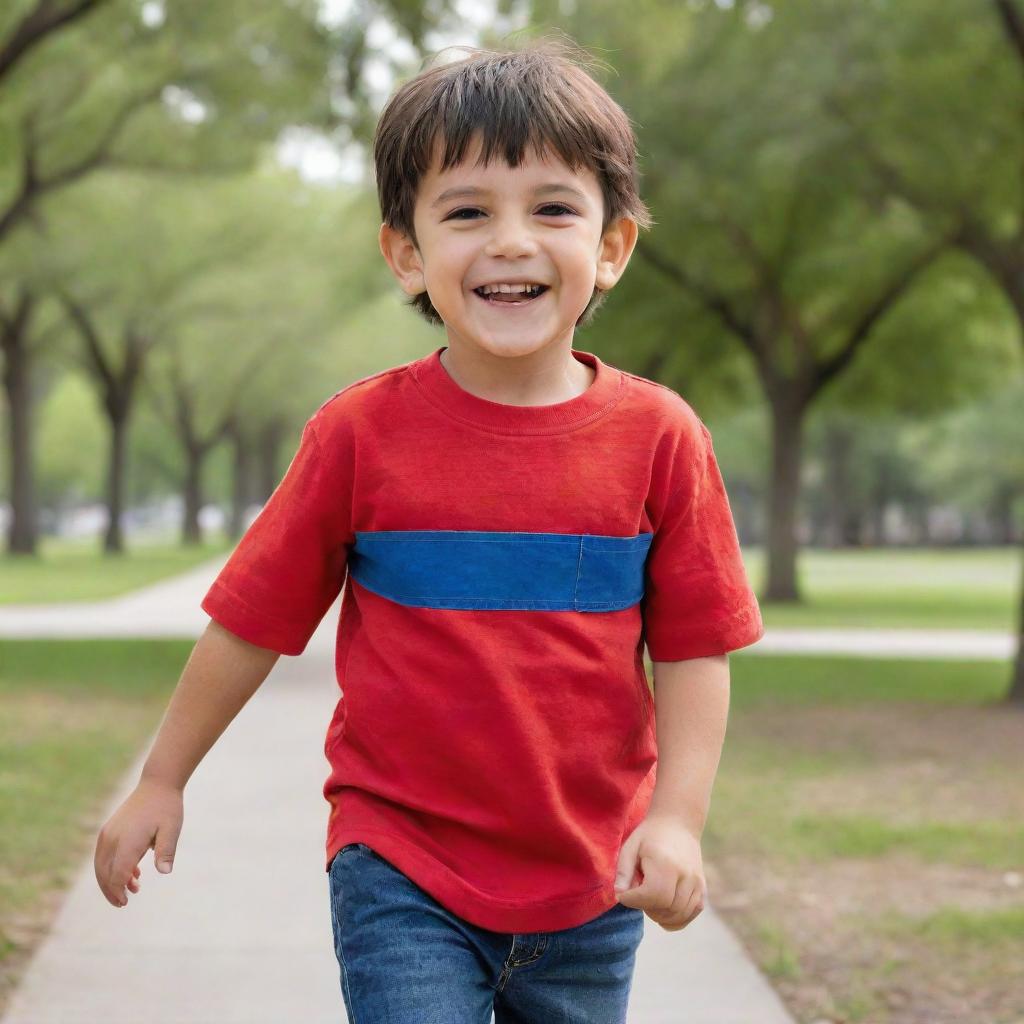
{"x": 834, "y": 281}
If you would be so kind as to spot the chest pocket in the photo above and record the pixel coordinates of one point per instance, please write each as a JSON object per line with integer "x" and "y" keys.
{"x": 494, "y": 570}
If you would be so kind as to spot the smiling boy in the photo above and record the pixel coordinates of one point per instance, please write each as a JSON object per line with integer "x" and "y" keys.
{"x": 511, "y": 519}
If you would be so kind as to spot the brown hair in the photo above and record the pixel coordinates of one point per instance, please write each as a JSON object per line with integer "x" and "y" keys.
{"x": 534, "y": 95}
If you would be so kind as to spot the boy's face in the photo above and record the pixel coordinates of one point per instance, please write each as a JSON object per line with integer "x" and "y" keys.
{"x": 511, "y": 230}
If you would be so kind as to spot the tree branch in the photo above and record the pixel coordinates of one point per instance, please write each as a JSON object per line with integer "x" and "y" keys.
{"x": 1013, "y": 25}
{"x": 827, "y": 369}
{"x": 43, "y": 20}
{"x": 712, "y": 299}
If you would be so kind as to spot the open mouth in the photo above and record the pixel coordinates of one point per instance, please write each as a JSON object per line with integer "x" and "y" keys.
{"x": 512, "y": 298}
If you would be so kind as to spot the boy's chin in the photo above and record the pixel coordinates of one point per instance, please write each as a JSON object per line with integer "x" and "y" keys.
{"x": 512, "y": 347}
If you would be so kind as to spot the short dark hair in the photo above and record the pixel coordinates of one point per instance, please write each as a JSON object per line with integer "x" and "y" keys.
{"x": 537, "y": 94}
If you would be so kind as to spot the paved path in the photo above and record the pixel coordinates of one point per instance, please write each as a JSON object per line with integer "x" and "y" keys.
{"x": 240, "y": 931}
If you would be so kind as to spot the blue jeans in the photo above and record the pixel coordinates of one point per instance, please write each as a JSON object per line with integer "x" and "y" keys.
{"x": 406, "y": 959}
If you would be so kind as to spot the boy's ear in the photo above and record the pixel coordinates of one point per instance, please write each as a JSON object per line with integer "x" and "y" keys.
{"x": 403, "y": 258}
{"x": 616, "y": 247}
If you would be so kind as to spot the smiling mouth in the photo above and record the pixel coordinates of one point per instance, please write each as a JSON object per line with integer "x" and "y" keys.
{"x": 521, "y": 299}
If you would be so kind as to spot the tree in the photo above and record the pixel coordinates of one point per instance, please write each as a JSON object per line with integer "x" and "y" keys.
{"x": 943, "y": 136}
{"x": 766, "y": 243}
{"x": 182, "y": 89}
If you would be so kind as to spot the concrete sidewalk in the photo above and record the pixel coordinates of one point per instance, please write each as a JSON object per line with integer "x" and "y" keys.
{"x": 240, "y": 931}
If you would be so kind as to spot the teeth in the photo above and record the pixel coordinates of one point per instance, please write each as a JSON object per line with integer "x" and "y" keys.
{"x": 488, "y": 289}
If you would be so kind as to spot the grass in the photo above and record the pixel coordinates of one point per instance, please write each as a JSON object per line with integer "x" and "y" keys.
{"x": 74, "y": 714}
{"x": 991, "y": 844}
{"x": 952, "y": 928}
{"x": 79, "y": 571}
{"x": 952, "y": 588}
{"x": 825, "y": 680}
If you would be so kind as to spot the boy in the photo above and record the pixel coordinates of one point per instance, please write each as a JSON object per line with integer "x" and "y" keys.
{"x": 516, "y": 519}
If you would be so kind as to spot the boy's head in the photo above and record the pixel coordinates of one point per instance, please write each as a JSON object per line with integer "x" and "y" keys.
{"x": 507, "y": 124}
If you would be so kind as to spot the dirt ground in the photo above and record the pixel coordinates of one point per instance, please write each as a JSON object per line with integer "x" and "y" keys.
{"x": 830, "y": 954}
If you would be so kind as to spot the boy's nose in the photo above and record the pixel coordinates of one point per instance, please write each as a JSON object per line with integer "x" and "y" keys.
{"x": 510, "y": 240}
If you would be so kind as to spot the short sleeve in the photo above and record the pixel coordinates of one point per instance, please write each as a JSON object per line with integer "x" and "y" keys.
{"x": 289, "y": 566}
{"x": 697, "y": 598}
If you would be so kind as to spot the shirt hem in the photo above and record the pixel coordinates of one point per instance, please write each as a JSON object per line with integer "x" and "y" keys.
{"x": 236, "y": 615}
{"x": 496, "y": 913}
{"x": 741, "y": 630}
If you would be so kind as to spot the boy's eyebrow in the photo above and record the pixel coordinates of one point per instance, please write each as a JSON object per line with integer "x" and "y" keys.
{"x": 472, "y": 190}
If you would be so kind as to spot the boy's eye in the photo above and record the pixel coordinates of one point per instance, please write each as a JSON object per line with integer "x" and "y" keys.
{"x": 466, "y": 209}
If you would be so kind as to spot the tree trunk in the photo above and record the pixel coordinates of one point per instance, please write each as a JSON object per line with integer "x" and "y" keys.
{"x": 838, "y": 444}
{"x": 1016, "y": 693}
{"x": 879, "y": 501}
{"x": 191, "y": 531}
{"x": 784, "y": 495}
{"x": 745, "y": 513}
{"x": 22, "y": 532}
{"x": 113, "y": 541}
{"x": 919, "y": 515}
{"x": 268, "y": 447}
{"x": 241, "y": 492}
{"x": 1004, "y": 526}
{"x": 1015, "y": 289}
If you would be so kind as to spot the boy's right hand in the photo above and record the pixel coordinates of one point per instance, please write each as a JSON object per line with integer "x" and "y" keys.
{"x": 150, "y": 818}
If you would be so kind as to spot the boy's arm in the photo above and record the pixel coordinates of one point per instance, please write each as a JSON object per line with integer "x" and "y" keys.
{"x": 660, "y": 869}
{"x": 691, "y": 707}
{"x": 220, "y": 676}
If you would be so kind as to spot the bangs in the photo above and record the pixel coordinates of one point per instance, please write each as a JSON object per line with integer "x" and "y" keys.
{"x": 509, "y": 116}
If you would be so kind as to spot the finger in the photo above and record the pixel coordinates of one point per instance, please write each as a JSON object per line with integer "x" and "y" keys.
{"x": 164, "y": 848}
{"x": 657, "y": 891}
{"x": 690, "y": 902}
{"x": 696, "y": 903}
{"x": 97, "y": 859}
{"x": 106, "y": 874}
{"x": 661, "y": 884}
{"x": 122, "y": 871}
{"x": 631, "y": 883}
{"x": 627, "y": 871}
{"x": 631, "y": 892}
{"x": 675, "y": 917}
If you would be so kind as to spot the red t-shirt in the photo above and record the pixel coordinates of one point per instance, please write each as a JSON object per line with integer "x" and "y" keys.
{"x": 494, "y": 738}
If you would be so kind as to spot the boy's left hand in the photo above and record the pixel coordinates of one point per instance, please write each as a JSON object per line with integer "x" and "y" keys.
{"x": 666, "y": 853}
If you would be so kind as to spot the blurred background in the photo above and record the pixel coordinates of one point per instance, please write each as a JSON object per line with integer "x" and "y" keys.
{"x": 835, "y": 282}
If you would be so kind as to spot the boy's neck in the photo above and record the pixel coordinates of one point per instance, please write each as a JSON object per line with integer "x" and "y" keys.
{"x": 545, "y": 377}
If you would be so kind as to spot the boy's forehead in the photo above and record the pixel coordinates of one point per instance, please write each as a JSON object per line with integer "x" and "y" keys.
{"x": 533, "y": 171}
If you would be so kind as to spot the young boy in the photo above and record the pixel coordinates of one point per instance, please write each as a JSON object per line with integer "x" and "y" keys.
{"x": 515, "y": 519}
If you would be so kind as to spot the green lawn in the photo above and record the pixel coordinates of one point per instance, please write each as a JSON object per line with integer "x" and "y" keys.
{"x": 79, "y": 571}
{"x": 958, "y": 588}
{"x": 73, "y": 716}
